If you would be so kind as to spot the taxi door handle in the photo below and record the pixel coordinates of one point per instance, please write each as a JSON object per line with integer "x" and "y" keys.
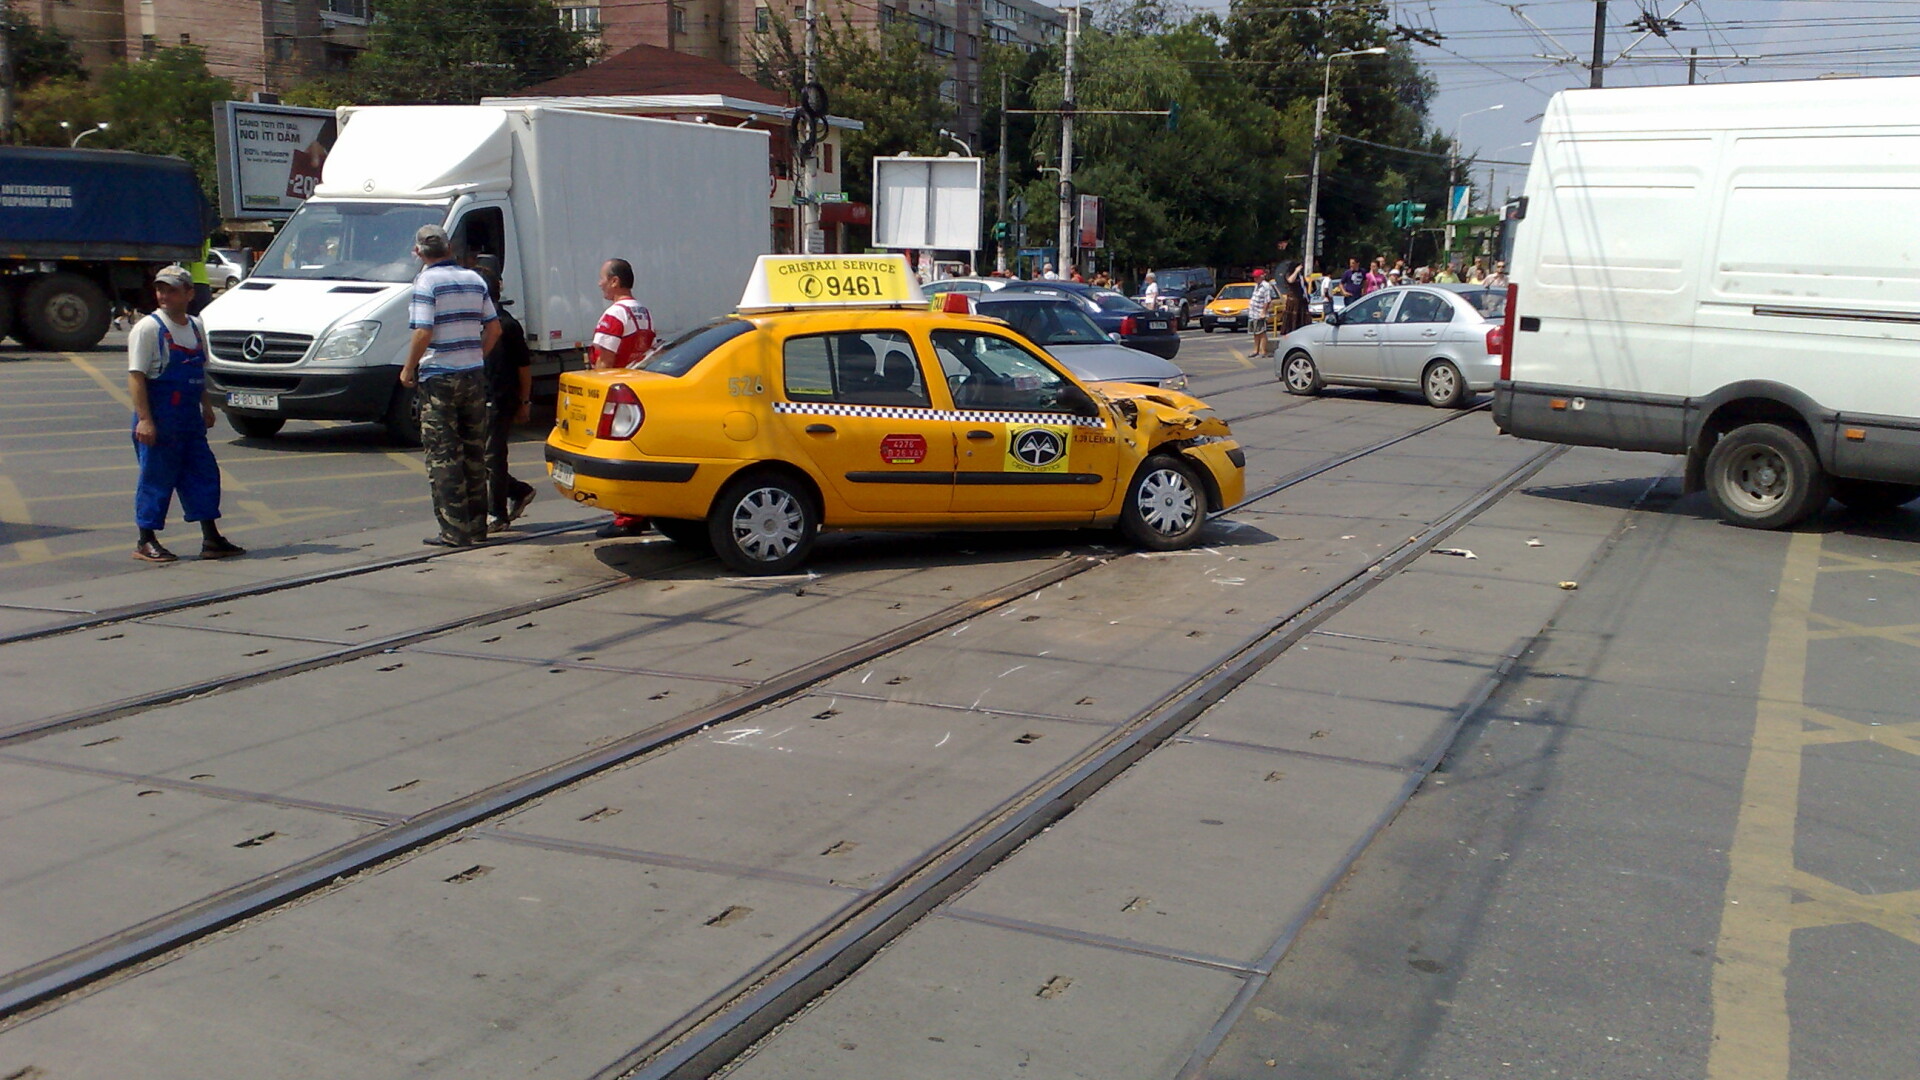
{"x": 977, "y": 434}
{"x": 820, "y": 429}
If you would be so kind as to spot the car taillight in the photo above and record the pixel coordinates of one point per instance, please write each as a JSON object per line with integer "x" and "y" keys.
{"x": 1496, "y": 340}
{"x": 1129, "y": 326}
{"x": 1505, "y": 348}
{"x": 622, "y": 415}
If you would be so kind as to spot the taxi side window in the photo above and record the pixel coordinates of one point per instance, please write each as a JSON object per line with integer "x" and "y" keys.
{"x": 877, "y": 367}
{"x": 985, "y": 371}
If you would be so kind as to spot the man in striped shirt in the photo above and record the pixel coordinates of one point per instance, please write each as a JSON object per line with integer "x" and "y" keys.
{"x": 454, "y": 325}
{"x": 622, "y": 339}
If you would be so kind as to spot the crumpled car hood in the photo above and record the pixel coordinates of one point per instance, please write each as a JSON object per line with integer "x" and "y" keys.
{"x": 1162, "y": 416}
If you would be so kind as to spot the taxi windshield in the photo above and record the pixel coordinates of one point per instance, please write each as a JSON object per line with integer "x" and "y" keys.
{"x": 350, "y": 241}
{"x": 1235, "y": 292}
{"x": 1046, "y": 322}
{"x": 677, "y": 357}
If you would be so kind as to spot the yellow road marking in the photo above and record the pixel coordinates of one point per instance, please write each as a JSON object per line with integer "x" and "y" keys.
{"x": 413, "y": 464}
{"x": 40, "y": 419}
{"x": 1855, "y": 562}
{"x": 13, "y": 405}
{"x": 1839, "y": 729}
{"x": 1828, "y": 904}
{"x": 1841, "y": 628}
{"x": 1750, "y": 1032}
{"x": 13, "y": 509}
{"x": 94, "y": 448}
{"x": 126, "y": 431}
{"x": 115, "y": 390}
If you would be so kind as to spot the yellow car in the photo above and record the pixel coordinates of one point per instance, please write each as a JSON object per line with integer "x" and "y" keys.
{"x": 834, "y": 399}
{"x": 1228, "y": 308}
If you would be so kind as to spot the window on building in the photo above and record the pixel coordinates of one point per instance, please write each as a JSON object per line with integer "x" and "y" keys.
{"x": 283, "y": 47}
{"x": 147, "y": 45}
{"x": 186, "y": 39}
{"x": 949, "y": 91}
{"x": 762, "y": 20}
{"x": 973, "y": 47}
{"x": 826, "y": 157}
{"x": 581, "y": 20}
{"x": 679, "y": 19}
{"x": 335, "y": 57}
{"x": 351, "y": 9}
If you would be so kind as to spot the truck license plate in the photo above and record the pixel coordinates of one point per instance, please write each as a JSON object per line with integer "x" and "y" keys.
{"x": 267, "y": 402}
{"x": 563, "y": 474}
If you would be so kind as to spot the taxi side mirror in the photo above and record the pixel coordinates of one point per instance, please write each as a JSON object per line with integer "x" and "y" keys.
{"x": 1079, "y": 402}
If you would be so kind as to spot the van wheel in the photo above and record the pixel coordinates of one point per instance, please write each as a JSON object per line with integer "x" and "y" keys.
{"x": 403, "y": 417}
{"x": 763, "y": 524}
{"x": 1874, "y": 496}
{"x": 1443, "y": 385}
{"x": 1166, "y": 505}
{"x": 687, "y": 534}
{"x": 256, "y": 427}
{"x": 1764, "y": 476}
{"x": 1301, "y": 374}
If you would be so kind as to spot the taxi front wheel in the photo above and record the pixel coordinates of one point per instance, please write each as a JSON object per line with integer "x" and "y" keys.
{"x": 763, "y": 524}
{"x": 1166, "y": 505}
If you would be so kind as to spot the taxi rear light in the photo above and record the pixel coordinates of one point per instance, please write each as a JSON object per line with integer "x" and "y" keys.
{"x": 1129, "y": 326}
{"x": 956, "y": 303}
{"x": 1506, "y": 333}
{"x": 622, "y": 415}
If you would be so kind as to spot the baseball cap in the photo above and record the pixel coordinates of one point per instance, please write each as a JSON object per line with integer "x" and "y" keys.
{"x": 1259, "y": 273}
{"x": 176, "y": 276}
{"x": 431, "y": 236}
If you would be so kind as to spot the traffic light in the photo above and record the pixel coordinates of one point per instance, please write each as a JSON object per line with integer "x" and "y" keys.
{"x": 1405, "y": 215}
{"x": 1416, "y": 213}
{"x": 999, "y": 231}
{"x": 1173, "y": 116}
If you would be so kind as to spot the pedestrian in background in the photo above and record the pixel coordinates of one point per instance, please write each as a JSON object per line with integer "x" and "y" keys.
{"x": 1497, "y": 279}
{"x": 622, "y": 339}
{"x": 166, "y": 378}
{"x": 1353, "y": 282}
{"x": 1446, "y": 275}
{"x": 1259, "y": 309}
{"x": 1377, "y": 274}
{"x": 1150, "y": 293}
{"x": 509, "y": 366}
{"x": 454, "y": 326}
{"x": 1293, "y": 297}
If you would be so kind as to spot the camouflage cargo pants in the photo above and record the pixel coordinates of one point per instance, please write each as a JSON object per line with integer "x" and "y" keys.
{"x": 453, "y": 431}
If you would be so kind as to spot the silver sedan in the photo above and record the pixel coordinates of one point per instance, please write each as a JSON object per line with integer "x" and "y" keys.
{"x": 1443, "y": 340}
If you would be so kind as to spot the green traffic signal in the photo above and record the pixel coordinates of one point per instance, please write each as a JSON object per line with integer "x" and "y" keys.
{"x": 1173, "y": 116}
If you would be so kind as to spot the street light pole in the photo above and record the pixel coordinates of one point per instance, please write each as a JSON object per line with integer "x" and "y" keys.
{"x": 1064, "y": 254}
{"x": 1319, "y": 124}
{"x": 1000, "y": 203}
{"x": 1453, "y": 164}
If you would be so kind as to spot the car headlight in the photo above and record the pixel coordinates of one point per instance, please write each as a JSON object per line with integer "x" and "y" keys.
{"x": 1178, "y": 382}
{"x": 347, "y": 341}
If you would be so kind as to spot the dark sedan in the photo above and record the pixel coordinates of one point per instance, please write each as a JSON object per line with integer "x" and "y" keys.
{"x": 1148, "y": 331}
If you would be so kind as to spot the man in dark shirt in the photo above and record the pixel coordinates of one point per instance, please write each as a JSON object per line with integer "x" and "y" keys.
{"x": 509, "y": 395}
{"x": 1353, "y": 283}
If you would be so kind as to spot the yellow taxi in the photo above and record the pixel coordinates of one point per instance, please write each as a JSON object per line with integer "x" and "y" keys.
{"x": 835, "y": 399}
{"x": 1228, "y": 308}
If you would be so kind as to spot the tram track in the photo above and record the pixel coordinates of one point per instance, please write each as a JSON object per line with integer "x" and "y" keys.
{"x": 80, "y": 968}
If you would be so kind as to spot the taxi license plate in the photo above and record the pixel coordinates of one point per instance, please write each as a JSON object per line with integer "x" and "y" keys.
{"x": 268, "y": 402}
{"x": 1156, "y": 324}
{"x": 563, "y": 474}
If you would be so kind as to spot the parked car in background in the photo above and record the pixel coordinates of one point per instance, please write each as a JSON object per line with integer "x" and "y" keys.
{"x": 1228, "y": 308}
{"x": 1061, "y": 326}
{"x": 1115, "y": 313}
{"x": 226, "y": 267}
{"x": 1443, "y": 340}
{"x": 1184, "y": 292}
{"x": 972, "y": 286}
{"x": 1324, "y": 297}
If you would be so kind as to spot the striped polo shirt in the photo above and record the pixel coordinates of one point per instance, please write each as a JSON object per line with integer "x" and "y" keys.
{"x": 452, "y": 302}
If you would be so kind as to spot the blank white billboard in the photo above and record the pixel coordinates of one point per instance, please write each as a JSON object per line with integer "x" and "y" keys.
{"x": 926, "y": 202}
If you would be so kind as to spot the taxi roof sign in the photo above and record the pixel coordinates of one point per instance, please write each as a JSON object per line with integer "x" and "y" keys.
{"x": 831, "y": 281}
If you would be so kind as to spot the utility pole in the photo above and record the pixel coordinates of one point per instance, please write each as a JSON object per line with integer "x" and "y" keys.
{"x": 1000, "y": 199}
{"x": 1313, "y": 187}
{"x": 809, "y": 210}
{"x": 1065, "y": 252}
{"x": 6, "y": 75}
{"x": 1599, "y": 44}
{"x": 1693, "y": 63}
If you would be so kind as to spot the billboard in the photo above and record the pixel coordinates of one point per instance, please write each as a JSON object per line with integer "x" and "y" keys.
{"x": 926, "y": 202}
{"x": 269, "y": 156}
{"x": 1093, "y": 225}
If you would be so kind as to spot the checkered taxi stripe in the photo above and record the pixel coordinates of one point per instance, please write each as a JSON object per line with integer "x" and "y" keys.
{"x": 893, "y": 412}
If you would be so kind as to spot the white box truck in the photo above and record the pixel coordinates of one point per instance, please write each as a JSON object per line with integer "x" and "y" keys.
{"x": 545, "y": 195}
{"x": 1732, "y": 273}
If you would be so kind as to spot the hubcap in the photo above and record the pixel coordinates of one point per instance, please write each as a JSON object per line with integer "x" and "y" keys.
{"x": 1440, "y": 384}
{"x": 1757, "y": 480}
{"x": 1299, "y": 373}
{"x": 67, "y": 312}
{"x": 767, "y": 524}
{"x": 1166, "y": 502}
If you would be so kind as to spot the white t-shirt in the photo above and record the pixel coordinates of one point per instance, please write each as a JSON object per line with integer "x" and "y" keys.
{"x": 146, "y": 353}
{"x": 1152, "y": 293}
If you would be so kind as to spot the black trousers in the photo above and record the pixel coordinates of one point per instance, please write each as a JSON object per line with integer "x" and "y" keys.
{"x": 501, "y": 485}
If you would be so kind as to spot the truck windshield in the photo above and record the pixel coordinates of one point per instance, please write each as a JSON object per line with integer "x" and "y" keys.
{"x": 350, "y": 241}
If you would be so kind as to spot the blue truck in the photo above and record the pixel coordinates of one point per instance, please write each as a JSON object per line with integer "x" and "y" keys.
{"x": 82, "y": 232}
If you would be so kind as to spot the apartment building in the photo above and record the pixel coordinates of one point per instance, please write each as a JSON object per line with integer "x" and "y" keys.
{"x": 259, "y": 44}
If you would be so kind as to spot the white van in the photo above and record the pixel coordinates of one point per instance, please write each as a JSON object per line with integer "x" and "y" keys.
{"x": 1729, "y": 272}
{"x": 543, "y": 195}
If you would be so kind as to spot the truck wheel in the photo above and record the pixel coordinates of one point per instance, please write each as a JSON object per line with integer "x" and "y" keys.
{"x": 403, "y": 417}
{"x": 1874, "y": 496}
{"x": 1301, "y": 374}
{"x": 256, "y": 427}
{"x": 763, "y": 523}
{"x": 1764, "y": 476}
{"x": 65, "y": 312}
{"x": 687, "y": 534}
{"x": 1166, "y": 505}
{"x": 1443, "y": 386}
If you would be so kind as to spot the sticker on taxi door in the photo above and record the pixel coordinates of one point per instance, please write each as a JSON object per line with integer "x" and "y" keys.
{"x": 1039, "y": 449}
{"x": 903, "y": 449}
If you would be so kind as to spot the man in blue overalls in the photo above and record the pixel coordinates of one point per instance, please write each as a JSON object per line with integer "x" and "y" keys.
{"x": 166, "y": 376}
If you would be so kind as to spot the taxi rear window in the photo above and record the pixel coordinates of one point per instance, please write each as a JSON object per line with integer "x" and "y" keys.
{"x": 677, "y": 357}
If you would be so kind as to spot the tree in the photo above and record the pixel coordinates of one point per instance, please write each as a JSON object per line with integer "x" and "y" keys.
{"x": 39, "y": 52}
{"x": 455, "y": 52}
{"x": 162, "y": 105}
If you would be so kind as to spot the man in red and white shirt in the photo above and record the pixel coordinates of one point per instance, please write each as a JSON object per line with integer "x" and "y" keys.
{"x": 625, "y": 334}
{"x": 622, "y": 339}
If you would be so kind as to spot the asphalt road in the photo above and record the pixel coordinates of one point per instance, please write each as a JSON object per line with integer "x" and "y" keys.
{"x": 1668, "y": 835}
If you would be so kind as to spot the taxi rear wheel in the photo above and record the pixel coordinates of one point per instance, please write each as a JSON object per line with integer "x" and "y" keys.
{"x": 763, "y": 524}
{"x": 1166, "y": 505}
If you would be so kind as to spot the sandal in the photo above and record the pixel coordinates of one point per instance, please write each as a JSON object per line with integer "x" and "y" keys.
{"x": 221, "y": 548}
{"x": 151, "y": 551}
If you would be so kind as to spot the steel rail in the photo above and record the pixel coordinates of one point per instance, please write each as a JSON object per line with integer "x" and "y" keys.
{"x": 775, "y": 997}
{"x": 70, "y": 971}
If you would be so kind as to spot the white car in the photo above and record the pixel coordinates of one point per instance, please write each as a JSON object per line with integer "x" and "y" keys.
{"x": 223, "y": 270}
{"x": 1443, "y": 340}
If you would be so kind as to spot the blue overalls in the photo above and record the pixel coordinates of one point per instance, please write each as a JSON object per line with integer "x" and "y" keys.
{"x": 180, "y": 459}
